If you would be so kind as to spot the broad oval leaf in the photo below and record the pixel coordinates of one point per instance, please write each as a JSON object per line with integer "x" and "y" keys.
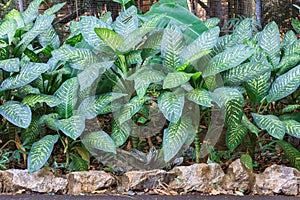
{"x": 10, "y": 65}
{"x": 175, "y": 136}
{"x": 176, "y": 79}
{"x": 206, "y": 41}
{"x": 171, "y": 46}
{"x": 269, "y": 41}
{"x": 223, "y": 95}
{"x": 211, "y": 22}
{"x": 72, "y": 127}
{"x": 110, "y": 38}
{"x": 243, "y": 31}
{"x": 284, "y": 85}
{"x": 50, "y": 121}
{"x": 271, "y": 124}
{"x": 171, "y": 105}
{"x": 67, "y": 94}
{"x": 288, "y": 62}
{"x": 92, "y": 106}
{"x": 200, "y": 96}
{"x": 40, "y": 152}
{"x": 16, "y": 113}
{"x": 33, "y": 99}
{"x": 291, "y": 152}
{"x": 228, "y": 59}
{"x": 99, "y": 140}
{"x": 288, "y": 39}
{"x": 49, "y": 37}
{"x": 292, "y": 128}
{"x": 8, "y": 27}
{"x": 258, "y": 87}
{"x": 246, "y": 159}
{"x": 290, "y": 108}
{"x": 27, "y": 74}
{"x": 120, "y": 132}
{"x": 127, "y": 22}
{"x": 32, "y": 11}
{"x": 249, "y": 125}
{"x": 235, "y": 135}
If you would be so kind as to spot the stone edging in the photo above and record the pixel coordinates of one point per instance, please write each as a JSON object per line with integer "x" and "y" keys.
{"x": 203, "y": 178}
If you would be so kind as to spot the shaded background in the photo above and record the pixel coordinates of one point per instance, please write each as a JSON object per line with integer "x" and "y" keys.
{"x": 280, "y": 11}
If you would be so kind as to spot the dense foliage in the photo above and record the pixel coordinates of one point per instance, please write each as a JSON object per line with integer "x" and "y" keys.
{"x": 162, "y": 72}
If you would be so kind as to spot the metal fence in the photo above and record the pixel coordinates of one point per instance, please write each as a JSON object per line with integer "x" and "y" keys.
{"x": 280, "y": 11}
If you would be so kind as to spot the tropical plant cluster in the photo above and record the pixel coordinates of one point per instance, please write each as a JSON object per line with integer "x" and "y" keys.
{"x": 166, "y": 61}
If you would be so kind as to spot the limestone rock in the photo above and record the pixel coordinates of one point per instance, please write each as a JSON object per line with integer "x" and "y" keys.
{"x": 238, "y": 177}
{"x": 197, "y": 177}
{"x": 277, "y": 179}
{"x": 42, "y": 181}
{"x": 90, "y": 181}
{"x": 140, "y": 180}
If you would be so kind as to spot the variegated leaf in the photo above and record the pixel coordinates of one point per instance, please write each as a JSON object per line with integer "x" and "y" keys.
{"x": 10, "y": 65}
{"x": 127, "y": 22}
{"x": 228, "y": 59}
{"x": 120, "y": 132}
{"x": 8, "y": 27}
{"x": 171, "y": 105}
{"x": 72, "y": 127}
{"x": 110, "y": 38}
{"x": 33, "y": 99}
{"x": 54, "y": 9}
{"x": 243, "y": 31}
{"x": 284, "y": 85}
{"x": 200, "y": 96}
{"x": 269, "y": 41}
{"x": 99, "y": 140}
{"x": 235, "y": 135}
{"x": 292, "y": 128}
{"x": 171, "y": 46}
{"x": 16, "y": 113}
{"x": 288, "y": 62}
{"x": 288, "y": 39}
{"x": 32, "y": 11}
{"x": 40, "y": 152}
{"x": 67, "y": 94}
{"x": 175, "y": 136}
{"x": 258, "y": 87}
{"x": 49, "y": 37}
{"x": 271, "y": 124}
{"x": 293, "y": 48}
{"x": 176, "y": 79}
{"x": 211, "y": 22}
{"x": 27, "y": 74}
{"x": 249, "y": 125}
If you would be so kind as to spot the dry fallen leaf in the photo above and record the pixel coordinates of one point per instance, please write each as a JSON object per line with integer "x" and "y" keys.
{"x": 99, "y": 191}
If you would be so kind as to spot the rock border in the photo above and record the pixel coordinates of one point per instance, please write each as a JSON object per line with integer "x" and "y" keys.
{"x": 204, "y": 178}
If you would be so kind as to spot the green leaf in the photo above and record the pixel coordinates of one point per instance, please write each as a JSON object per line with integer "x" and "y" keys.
{"x": 288, "y": 39}
{"x": 206, "y": 41}
{"x": 144, "y": 78}
{"x": 110, "y": 38}
{"x": 176, "y": 79}
{"x": 152, "y": 45}
{"x": 27, "y": 74}
{"x": 284, "y": 85}
{"x": 67, "y": 94}
{"x": 40, "y": 152}
{"x": 120, "y": 132}
{"x": 49, "y": 38}
{"x": 129, "y": 109}
{"x": 269, "y": 41}
{"x": 247, "y": 161}
{"x": 225, "y": 94}
{"x": 78, "y": 58}
{"x": 78, "y": 164}
{"x": 222, "y": 43}
{"x": 8, "y": 27}
{"x": 296, "y": 25}
{"x": 211, "y": 22}
{"x": 291, "y": 152}
{"x": 32, "y": 56}
{"x": 292, "y": 128}
{"x": 235, "y": 135}
{"x": 249, "y": 125}
{"x": 88, "y": 76}
{"x": 42, "y": 24}
{"x": 182, "y": 16}
{"x": 29, "y": 135}
{"x": 72, "y": 127}
{"x": 4, "y": 50}
{"x": 10, "y": 65}
{"x": 271, "y": 124}
{"x": 290, "y": 108}
{"x": 50, "y": 121}
{"x": 32, "y": 11}
{"x": 33, "y": 99}
{"x": 288, "y": 62}
{"x": 171, "y": 46}
{"x": 87, "y": 25}
{"x": 258, "y": 87}
{"x": 200, "y": 96}
{"x": 100, "y": 141}
{"x": 127, "y": 22}
{"x": 244, "y": 72}
{"x": 293, "y": 48}
{"x": 25, "y": 90}
{"x": 175, "y": 136}
{"x": 74, "y": 40}
{"x": 243, "y": 31}
{"x": 92, "y": 106}
{"x": 228, "y": 59}
{"x": 171, "y": 105}
{"x": 16, "y": 15}
{"x": 16, "y": 113}
{"x": 234, "y": 112}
